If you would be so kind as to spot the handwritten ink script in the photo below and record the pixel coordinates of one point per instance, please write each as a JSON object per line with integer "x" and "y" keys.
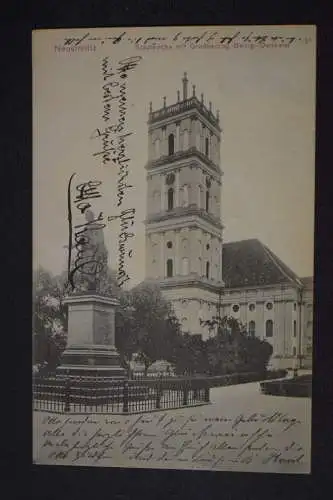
{"x": 82, "y": 249}
{"x": 113, "y": 148}
{"x": 114, "y": 136}
{"x": 197, "y": 40}
{"x": 126, "y": 218}
{"x": 263, "y": 442}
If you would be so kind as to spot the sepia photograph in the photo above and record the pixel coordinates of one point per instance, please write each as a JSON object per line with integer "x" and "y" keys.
{"x": 173, "y": 247}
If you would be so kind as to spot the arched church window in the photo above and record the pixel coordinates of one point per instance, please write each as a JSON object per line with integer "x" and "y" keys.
{"x": 295, "y": 330}
{"x": 269, "y": 328}
{"x": 169, "y": 268}
{"x": 171, "y": 144}
{"x": 252, "y": 328}
{"x": 169, "y": 244}
{"x": 170, "y": 198}
{"x": 207, "y": 146}
{"x": 199, "y": 196}
{"x": 207, "y": 200}
{"x": 207, "y": 270}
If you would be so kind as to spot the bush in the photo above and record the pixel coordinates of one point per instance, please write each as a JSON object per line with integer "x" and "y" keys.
{"x": 296, "y": 387}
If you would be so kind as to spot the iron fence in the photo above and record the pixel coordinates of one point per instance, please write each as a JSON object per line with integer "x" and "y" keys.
{"x": 106, "y": 395}
{"x": 68, "y": 394}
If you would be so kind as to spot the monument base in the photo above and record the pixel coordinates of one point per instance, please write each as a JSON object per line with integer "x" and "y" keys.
{"x": 91, "y": 338}
{"x": 92, "y": 361}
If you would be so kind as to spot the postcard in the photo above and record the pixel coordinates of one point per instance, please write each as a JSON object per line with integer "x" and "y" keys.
{"x": 173, "y": 245}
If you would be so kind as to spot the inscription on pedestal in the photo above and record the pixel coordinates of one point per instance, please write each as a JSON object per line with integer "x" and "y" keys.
{"x": 91, "y": 337}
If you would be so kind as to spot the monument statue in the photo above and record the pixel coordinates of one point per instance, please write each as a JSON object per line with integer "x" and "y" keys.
{"x": 91, "y": 262}
{"x": 90, "y": 349}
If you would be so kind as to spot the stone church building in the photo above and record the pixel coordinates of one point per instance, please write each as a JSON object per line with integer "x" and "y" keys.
{"x": 185, "y": 252}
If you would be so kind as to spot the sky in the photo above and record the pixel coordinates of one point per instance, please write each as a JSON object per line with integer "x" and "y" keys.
{"x": 266, "y": 99}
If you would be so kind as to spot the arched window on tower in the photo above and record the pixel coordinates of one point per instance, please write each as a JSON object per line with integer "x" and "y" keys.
{"x": 295, "y": 329}
{"x": 169, "y": 268}
{"x": 207, "y": 270}
{"x": 171, "y": 144}
{"x": 269, "y": 328}
{"x": 252, "y": 328}
{"x": 207, "y": 146}
{"x": 207, "y": 200}
{"x": 200, "y": 190}
{"x": 170, "y": 198}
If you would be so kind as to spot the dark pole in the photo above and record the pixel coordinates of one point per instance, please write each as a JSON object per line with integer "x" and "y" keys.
{"x": 300, "y": 329}
{"x": 219, "y": 306}
{"x": 219, "y": 318}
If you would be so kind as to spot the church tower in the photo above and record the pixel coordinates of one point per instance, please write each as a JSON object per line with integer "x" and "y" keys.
{"x": 183, "y": 224}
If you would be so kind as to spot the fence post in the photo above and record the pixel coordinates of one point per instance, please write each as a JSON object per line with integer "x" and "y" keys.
{"x": 67, "y": 395}
{"x": 125, "y": 397}
{"x": 207, "y": 395}
{"x": 185, "y": 394}
{"x": 158, "y": 395}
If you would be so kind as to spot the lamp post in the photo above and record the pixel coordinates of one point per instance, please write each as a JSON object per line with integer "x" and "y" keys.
{"x": 219, "y": 307}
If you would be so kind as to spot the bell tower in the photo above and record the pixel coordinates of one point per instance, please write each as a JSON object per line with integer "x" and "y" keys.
{"x": 183, "y": 223}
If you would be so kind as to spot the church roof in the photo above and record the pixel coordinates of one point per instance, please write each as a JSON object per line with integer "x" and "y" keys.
{"x": 307, "y": 282}
{"x": 251, "y": 263}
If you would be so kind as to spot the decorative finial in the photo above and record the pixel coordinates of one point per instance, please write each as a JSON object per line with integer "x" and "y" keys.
{"x": 150, "y": 107}
{"x": 178, "y": 95}
{"x": 218, "y": 115}
{"x": 202, "y": 98}
{"x": 193, "y": 88}
{"x": 210, "y": 106}
{"x": 164, "y": 102}
{"x": 185, "y": 82}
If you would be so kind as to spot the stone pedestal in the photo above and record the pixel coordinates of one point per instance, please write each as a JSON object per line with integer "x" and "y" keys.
{"x": 91, "y": 338}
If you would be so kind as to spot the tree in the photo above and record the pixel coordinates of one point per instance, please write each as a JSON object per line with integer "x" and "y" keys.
{"x": 49, "y": 319}
{"x": 233, "y": 349}
{"x": 147, "y": 326}
{"x": 192, "y": 355}
{"x": 50, "y": 314}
